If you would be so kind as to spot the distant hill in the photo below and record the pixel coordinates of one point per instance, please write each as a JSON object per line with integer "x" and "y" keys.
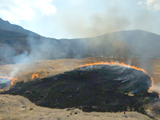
{"x": 131, "y": 43}
{"x": 5, "y": 25}
{"x": 20, "y": 45}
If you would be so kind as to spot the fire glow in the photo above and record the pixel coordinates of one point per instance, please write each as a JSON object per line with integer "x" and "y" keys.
{"x": 35, "y": 75}
{"x": 121, "y": 64}
{"x": 12, "y": 79}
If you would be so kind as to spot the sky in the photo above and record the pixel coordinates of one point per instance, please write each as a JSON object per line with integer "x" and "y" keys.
{"x": 82, "y": 18}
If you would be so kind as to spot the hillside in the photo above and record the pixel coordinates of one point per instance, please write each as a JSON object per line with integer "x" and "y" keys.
{"x": 11, "y": 105}
{"x": 5, "y": 25}
{"x": 138, "y": 42}
{"x": 20, "y": 45}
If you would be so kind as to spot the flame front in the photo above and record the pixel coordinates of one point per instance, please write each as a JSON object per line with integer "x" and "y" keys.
{"x": 12, "y": 82}
{"x": 121, "y": 64}
{"x": 35, "y": 75}
{"x": 113, "y": 63}
{"x": 12, "y": 79}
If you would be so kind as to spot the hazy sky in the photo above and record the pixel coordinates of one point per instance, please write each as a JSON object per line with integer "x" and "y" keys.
{"x": 82, "y": 18}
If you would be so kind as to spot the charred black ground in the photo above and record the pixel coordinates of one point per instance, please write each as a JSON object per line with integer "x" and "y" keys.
{"x": 102, "y": 87}
{"x": 119, "y": 77}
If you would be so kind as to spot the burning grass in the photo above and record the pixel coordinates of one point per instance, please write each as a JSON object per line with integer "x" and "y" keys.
{"x": 35, "y": 75}
{"x": 122, "y": 65}
{"x": 92, "y": 87}
{"x": 8, "y": 82}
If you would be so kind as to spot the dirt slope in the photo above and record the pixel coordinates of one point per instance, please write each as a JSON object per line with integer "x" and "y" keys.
{"x": 20, "y": 108}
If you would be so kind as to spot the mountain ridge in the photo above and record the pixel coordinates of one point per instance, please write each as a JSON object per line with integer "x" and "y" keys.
{"x": 20, "y": 45}
{"x": 5, "y": 25}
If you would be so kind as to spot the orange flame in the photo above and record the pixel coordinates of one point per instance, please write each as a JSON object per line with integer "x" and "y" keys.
{"x": 12, "y": 82}
{"x": 35, "y": 75}
{"x": 122, "y": 64}
{"x": 12, "y": 79}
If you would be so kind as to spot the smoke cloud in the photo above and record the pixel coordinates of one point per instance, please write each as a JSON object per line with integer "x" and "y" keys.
{"x": 97, "y": 24}
{"x": 116, "y": 16}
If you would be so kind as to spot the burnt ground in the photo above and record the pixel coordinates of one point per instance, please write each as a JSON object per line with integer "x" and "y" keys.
{"x": 91, "y": 88}
{"x": 48, "y": 68}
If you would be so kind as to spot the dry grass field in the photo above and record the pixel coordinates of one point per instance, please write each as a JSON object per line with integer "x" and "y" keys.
{"x": 20, "y": 108}
{"x": 45, "y": 68}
